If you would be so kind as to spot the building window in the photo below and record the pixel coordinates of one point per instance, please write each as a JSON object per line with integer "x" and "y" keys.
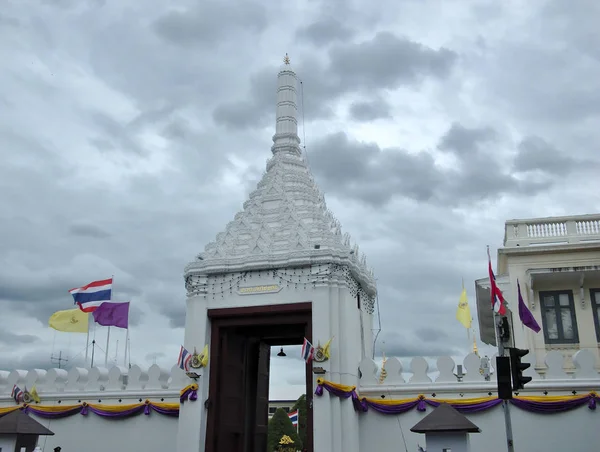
{"x": 558, "y": 317}
{"x": 272, "y": 409}
{"x": 595, "y": 296}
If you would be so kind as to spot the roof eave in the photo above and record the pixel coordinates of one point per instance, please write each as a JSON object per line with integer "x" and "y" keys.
{"x": 211, "y": 266}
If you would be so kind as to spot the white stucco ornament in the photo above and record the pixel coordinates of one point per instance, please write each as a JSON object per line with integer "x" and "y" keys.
{"x": 285, "y": 222}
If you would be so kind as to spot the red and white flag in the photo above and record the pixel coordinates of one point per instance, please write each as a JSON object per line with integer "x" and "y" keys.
{"x": 308, "y": 351}
{"x": 497, "y": 299}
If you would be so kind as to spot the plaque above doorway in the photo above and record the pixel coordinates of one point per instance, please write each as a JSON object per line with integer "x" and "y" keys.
{"x": 257, "y": 290}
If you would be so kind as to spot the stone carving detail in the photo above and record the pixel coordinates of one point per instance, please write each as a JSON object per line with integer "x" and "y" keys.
{"x": 285, "y": 220}
{"x": 303, "y": 278}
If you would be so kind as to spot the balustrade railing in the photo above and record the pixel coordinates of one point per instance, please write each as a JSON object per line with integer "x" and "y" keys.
{"x": 552, "y": 230}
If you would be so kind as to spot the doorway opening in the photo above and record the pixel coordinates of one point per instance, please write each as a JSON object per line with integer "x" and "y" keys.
{"x": 287, "y": 395}
{"x": 238, "y": 401}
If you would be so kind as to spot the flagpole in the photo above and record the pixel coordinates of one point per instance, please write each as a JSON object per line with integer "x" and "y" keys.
{"x": 112, "y": 277}
{"x": 126, "y": 344}
{"x": 106, "y": 351}
{"x": 505, "y": 404}
{"x": 87, "y": 341}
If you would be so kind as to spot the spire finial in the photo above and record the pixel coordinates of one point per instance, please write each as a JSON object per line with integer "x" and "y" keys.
{"x": 286, "y": 123}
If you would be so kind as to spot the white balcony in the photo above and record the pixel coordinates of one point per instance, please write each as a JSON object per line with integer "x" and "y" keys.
{"x": 552, "y": 231}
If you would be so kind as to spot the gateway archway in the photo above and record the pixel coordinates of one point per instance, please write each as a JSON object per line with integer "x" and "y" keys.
{"x": 238, "y": 393}
{"x": 248, "y": 290}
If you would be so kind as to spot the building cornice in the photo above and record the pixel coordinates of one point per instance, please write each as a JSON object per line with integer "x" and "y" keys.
{"x": 549, "y": 249}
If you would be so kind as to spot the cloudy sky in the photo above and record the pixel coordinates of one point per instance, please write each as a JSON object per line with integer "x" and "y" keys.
{"x": 131, "y": 133}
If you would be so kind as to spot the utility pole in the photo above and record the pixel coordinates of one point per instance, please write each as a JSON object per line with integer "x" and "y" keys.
{"x": 504, "y": 376}
{"x": 58, "y": 360}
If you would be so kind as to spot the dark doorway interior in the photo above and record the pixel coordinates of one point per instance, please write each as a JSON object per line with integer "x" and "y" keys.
{"x": 238, "y": 400}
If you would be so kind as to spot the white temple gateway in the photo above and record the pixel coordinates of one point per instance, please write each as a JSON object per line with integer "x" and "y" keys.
{"x": 280, "y": 272}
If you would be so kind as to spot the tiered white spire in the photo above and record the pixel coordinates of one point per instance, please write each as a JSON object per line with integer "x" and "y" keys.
{"x": 286, "y": 124}
{"x": 285, "y": 220}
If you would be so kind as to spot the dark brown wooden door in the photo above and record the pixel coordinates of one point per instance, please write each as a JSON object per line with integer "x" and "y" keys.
{"x": 262, "y": 398}
{"x": 231, "y": 398}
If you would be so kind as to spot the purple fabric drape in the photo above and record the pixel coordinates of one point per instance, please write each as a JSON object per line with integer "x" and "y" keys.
{"x": 84, "y": 409}
{"x": 188, "y": 394}
{"x": 420, "y": 403}
{"x": 556, "y": 407}
{"x": 31, "y": 409}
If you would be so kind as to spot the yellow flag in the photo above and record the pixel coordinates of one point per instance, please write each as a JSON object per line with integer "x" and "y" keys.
{"x": 70, "y": 321}
{"x": 34, "y": 395}
{"x": 463, "y": 312}
{"x": 326, "y": 350}
{"x": 204, "y": 356}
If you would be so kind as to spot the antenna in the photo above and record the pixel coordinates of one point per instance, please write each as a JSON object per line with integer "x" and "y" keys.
{"x": 58, "y": 359}
{"x": 303, "y": 126}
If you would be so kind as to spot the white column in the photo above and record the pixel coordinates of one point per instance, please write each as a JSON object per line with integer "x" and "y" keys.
{"x": 336, "y": 347}
{"x": 321, "y": 329}
{"x": 191, "y": 429}
{"x": 350, "y": 357}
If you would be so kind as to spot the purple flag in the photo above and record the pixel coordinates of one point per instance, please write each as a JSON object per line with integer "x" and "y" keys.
{"x": 525, "y": 314}
{"x": 112, "y": 314}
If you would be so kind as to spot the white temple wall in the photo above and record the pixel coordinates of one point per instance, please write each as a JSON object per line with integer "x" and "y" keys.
{"x": 91, "y": 433}
{"x": 573, "y": 431}
{"x": 337, "y": 426}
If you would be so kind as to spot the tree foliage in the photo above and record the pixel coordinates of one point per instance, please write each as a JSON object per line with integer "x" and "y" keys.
{"x": 279, "y": 425}
{"x": 300, "y": 405}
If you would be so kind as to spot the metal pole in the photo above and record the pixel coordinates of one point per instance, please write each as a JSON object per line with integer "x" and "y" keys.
{"x": 87, "y": 341}
{"x": 126, "y": 345}
{"x": 505, "y": 404}
{"x": 107, "y": 344}
{"x": 93, "y": 348}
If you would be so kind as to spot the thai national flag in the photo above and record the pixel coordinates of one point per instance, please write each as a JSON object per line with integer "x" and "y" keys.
{"x": 89, "y": 297}
{"x": 17, "y": 393}
{"x": 294, "y": 418}
{"x": 184, "y": 359}
{"x": 307, "y": 351}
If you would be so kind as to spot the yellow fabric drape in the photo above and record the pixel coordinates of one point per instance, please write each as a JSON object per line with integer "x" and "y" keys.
{"x": 461, "y": 401}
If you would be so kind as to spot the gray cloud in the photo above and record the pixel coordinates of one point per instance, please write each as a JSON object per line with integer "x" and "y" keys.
{"x": 536, "y": 154}
{"x": 370, "y": 110}
{"x": 384, "y": 61}
{"x": 465, "y": 141}
{"x": 175, "y": 314}
{"x": 10, "y": 338}
{"x": 88, "y": 230}
{"x": 210, "y": 22}
{"x": 427, "y": 334}
{"x": 402, "y": 346}
{"x": 388, "y": 61}
{"x": 365, "y": 171}
{"x": 324, "y": 31}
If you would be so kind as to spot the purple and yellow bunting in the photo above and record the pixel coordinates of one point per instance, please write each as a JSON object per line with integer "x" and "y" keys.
{"x": 535, "y": 404}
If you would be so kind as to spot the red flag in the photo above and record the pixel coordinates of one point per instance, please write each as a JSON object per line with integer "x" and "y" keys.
{"x": 498, "y": 302}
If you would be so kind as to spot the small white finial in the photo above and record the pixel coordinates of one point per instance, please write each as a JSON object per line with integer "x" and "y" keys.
{"x": 286, "y": 59}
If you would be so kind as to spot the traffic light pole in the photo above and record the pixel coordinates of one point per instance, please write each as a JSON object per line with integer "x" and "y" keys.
{"x": 505, "y": 404}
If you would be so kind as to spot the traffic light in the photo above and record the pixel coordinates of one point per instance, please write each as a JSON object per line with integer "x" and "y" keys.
{"x": 504, "y": 329}
{"x": 503, "y": 377}
{"x": 517, "y": 368}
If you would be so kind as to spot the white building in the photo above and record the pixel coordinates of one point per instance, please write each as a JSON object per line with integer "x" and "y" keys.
{"x": 557, "y": 263}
